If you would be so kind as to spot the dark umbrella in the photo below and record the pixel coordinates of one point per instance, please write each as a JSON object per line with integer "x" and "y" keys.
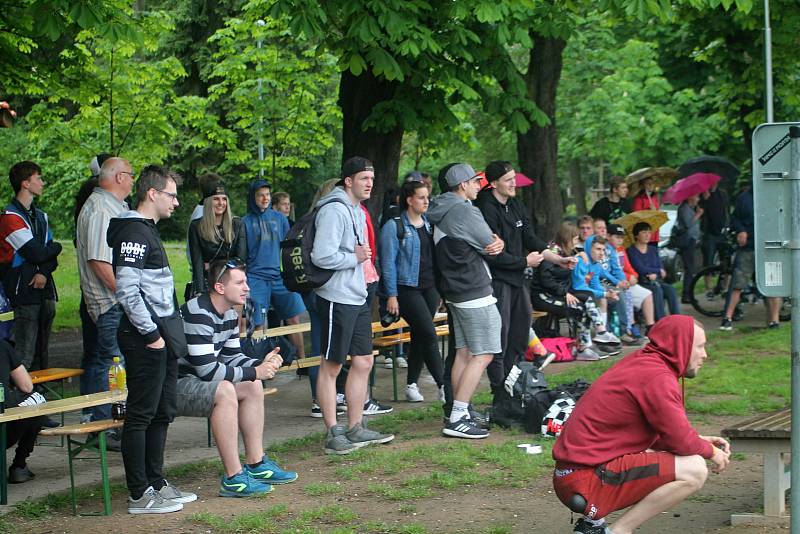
{"x": 709, "y": 164}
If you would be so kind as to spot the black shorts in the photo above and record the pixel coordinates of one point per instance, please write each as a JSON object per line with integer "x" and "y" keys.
{"x": 346, "y": 330}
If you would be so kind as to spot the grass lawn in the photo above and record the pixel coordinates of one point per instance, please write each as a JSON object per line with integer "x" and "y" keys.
{"x": 69, "y": 289}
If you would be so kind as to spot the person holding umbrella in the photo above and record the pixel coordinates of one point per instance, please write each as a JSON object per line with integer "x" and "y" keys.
{"x": 689, "y": 214}
{"x": 648, "y": 180}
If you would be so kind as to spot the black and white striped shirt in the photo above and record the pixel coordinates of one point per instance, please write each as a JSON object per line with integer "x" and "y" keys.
{"x": 213, "y": 341}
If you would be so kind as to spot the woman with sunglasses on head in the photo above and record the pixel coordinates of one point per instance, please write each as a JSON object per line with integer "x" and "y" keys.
{"x": 408, "y": 282}
{"x": 217, "y": 235}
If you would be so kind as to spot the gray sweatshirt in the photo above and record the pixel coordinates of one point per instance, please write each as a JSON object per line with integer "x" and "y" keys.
{"x": 334, "y": 248}
{"x": 459, "y": 219}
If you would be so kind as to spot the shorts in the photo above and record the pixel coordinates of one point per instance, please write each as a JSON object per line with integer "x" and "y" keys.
{"x": 638, "y": 294}
{"x": 743, "y": 268}
{"x": 620, "y": 483}
{"x": 195, "y": 396}
{"x": 477, "y": 329}
{"x": 346, "y": 329}
{"x": 264, "y": 293}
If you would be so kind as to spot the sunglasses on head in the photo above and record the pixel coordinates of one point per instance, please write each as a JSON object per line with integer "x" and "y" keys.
{"x": 233, "y": 263}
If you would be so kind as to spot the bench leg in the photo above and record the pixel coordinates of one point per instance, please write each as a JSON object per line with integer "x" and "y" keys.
{"x": 104, "y": 474}
{"x": 394, "y": 372}
{"x": 3, "y": 466}
{"x": 775, "y": 484}
{"x": 72, "y": 495}
{"x": 208, "y": 433}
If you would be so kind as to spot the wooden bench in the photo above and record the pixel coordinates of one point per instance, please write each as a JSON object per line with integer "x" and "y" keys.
{"x": 55, "y": 374}
{"x": 768, "y": 435}
{"x": 50, "y": 408}
{"x": 94, "y": 440}
{"x": 394, "y": 341}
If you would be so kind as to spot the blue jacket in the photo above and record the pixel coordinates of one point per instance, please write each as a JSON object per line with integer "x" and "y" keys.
{"x": 264, "y": 230}
{"x": 612, "y": 270}
{"x": 399, "y": 261}
{"x": 586, "y": 277}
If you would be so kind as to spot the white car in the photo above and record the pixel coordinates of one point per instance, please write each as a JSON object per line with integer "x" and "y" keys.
{"x": 672, "y": 261}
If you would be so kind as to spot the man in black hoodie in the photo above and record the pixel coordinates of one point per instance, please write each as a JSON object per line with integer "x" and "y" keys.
{"x": 506, "y": 216}
{"x": 151, "y": 338}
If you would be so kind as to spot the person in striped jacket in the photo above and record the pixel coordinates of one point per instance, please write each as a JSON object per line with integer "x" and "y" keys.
{"x": 216, "y": 380}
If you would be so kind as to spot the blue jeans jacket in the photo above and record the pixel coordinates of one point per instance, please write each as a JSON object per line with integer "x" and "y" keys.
{"x": 399, "y": 260}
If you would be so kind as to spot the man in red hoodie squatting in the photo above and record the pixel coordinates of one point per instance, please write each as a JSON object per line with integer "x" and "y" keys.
{"x": 629, "y": 443}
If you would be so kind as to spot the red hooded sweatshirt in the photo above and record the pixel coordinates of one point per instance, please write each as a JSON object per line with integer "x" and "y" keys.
{"x": 636, "y": 405}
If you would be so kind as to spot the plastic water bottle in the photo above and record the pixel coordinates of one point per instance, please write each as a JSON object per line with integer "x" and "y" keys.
{"x": 117, "y": 378}
{"x": 614, "y": 326}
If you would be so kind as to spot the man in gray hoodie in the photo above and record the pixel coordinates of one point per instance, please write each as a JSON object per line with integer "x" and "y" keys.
{"x": 340, "y": 245}
{"x": 462, "y": 237}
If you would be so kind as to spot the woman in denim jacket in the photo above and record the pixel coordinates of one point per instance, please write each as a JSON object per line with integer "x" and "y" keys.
{"x": 407, "y": 280}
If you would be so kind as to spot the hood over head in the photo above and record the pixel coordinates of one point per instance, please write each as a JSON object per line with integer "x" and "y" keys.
{"x": 671, "y": 340}
{"x": 251, "y": 196}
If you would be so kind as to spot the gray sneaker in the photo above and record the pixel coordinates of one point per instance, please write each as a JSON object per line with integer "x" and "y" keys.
{"x": 151, "y": 502}
{"x": 336, "y": 441}
{"x": 170, "y": 492}
{"x": 361, "y": 436}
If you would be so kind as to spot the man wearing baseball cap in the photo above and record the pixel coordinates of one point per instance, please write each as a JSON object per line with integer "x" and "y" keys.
{"x": 462, "y": 239}
{"x": 506, "y": 217}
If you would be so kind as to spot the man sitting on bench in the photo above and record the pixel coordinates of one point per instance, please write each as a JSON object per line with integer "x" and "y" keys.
{"x": 24, "y": 431}
{"x": 628, "y": 441}
{"x": 217, "y": 380}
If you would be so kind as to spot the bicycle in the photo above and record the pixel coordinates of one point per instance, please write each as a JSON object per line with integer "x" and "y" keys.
{"x": 712, "y": 300}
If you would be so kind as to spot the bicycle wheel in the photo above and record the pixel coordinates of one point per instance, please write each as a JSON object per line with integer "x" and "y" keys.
{"x": 710, "y": 299}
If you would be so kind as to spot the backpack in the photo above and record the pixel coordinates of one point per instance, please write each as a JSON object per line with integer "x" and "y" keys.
{"x": 299, "y": 273}
{"x": 529, "y": 390}
{"x": 560, "y": 346}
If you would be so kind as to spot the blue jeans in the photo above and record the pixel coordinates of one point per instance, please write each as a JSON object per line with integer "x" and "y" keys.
{"x": 662, "y": 292}
{"x": 96, "y": 363}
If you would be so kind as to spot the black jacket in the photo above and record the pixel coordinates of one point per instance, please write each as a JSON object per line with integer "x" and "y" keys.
{"x": 551, "y": 279}
{"x": 202, "y": 252}
{"x": 511, "y": 223}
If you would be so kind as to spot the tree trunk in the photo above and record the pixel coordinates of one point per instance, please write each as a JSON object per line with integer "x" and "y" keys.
{"x": 358, "y": 96}
{"x": 537, "y": 149}
{"x": 578, "y": 187}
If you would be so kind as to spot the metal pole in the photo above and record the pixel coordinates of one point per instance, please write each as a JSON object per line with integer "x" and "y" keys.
{"x": 768, "y": 63}
{"x": 794, "y": 177}
{"x": 260, "y": 115}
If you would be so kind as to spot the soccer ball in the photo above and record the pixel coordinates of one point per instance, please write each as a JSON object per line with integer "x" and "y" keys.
{"x": 556, "y": 416}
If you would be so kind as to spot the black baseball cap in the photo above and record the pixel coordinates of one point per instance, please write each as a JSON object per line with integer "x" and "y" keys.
{"x": 353, "y": 166}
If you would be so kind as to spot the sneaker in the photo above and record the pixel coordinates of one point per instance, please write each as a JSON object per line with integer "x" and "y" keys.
{"x": 413, "y": 394}
{"x": 316, "y": 411}
{"x": 341, "y": 404}
{"x": 480, "y": 419}
{"x": 710, "y": 295}
{"x": 464, "y": 428}
{"x": 607, "y": 338}
{"x": 336, "y": 441}
{"x": 47, "y": 422}
{"x": 242, "y": 485}
{"x": 402, "y": 363}
{"x": 441, "y": 394}
{"x": 19, "y": 475}
{"x": 113, "y": 440}
{"x": 171, "y": 493}
{"x": 268, "y": 471}
{"x": 726, "y": 325}
{"x": 585, "y": 527}
{"x": 628, "y": 339}
{"x": 151, "y": 502}
{"x": 773, "y": 325}
{"x": 373, "y": 407}
{"x": 361, "y": 436}
{"x": 608, "y": 350}
{"x": 588, "y": 355}
{"x": 389, "y": 363}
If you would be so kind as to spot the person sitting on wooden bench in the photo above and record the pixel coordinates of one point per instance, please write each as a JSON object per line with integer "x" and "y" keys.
{"x": 22, "y": 432}
{"x": 218, "y": 381}
{"x": 628, "y": 442}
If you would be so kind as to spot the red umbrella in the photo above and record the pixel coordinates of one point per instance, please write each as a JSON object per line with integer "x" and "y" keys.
{"x": 520, "y": 179}
{"x": 694, "y": 184}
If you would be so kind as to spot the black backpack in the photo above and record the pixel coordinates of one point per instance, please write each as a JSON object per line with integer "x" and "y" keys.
{"x": 530, "y": 391}
{"x": 297, "y": 270}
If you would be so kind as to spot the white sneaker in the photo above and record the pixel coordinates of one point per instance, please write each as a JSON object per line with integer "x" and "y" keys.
{"x": 402, "y": 363}
{"x": 588, "y": 355}
{"x": 151, "y": 502}
{"x": 441, "y": 394}
{"x": 413, "y": 394}
{"x": 389, "y": 363}
{"x": 606, "y": 337}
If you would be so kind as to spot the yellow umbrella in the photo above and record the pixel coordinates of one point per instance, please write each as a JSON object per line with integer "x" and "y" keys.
{"x": 654, "y": 218}
{"x": 663, "y": 176}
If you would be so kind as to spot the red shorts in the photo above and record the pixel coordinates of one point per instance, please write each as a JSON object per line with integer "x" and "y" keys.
{"x": 620, "y": 483}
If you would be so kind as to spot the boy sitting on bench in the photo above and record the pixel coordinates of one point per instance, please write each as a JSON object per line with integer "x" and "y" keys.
{"x": 218, "y": 381}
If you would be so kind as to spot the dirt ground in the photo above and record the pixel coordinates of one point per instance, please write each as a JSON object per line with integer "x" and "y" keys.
{"x": 480, "y": 508}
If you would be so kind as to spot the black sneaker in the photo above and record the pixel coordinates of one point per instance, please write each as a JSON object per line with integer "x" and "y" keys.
{"x": 316, "y": 411}
{"x": 464, "y": 428}
{"x": 373, "y": 407}
{"x": 479, "y": 419}
{"x": 607, "y": 350}
{"x": 19, "y": 475}
{"x": 726, "y": 325}
{"x": 773, "y": 325}
{"x": 584, "y": 527}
